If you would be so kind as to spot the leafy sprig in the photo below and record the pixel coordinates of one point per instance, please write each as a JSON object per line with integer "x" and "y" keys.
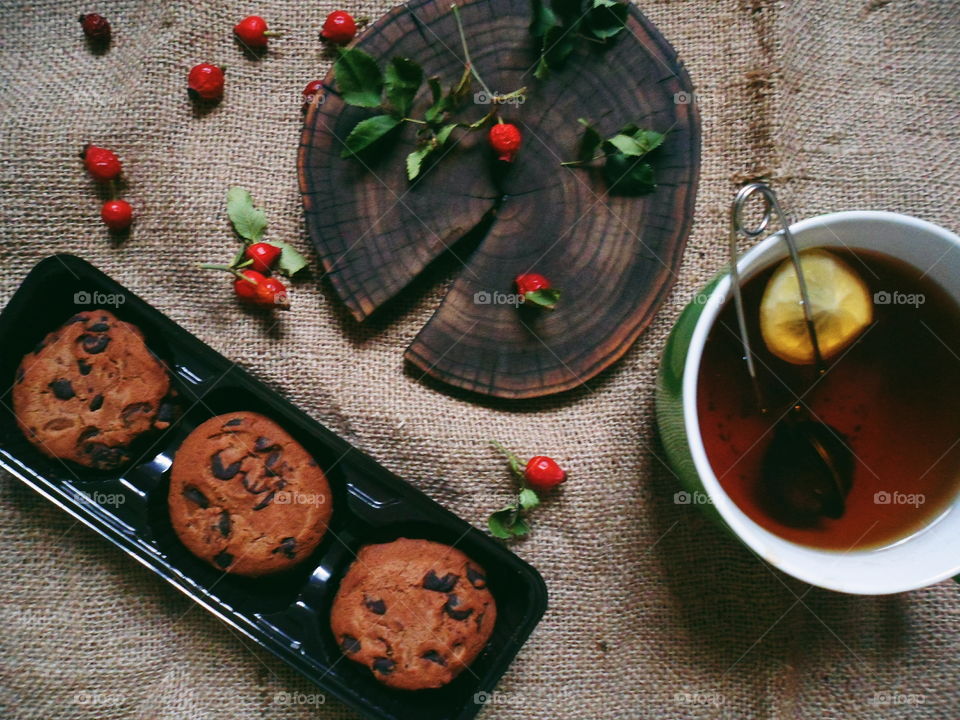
{"x": 558, "y": 26}
{"x": 623, "y": 154}
{"x": 393, "y": 91}
{"x": 250, "y": 223}
{"x": 510, "y": 520}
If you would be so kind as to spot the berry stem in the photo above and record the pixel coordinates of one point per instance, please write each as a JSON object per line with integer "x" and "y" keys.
{"x": 577, "y": 163}
{"x": 516, "y": 466}
{"x": 591, "y": 39}
{"x": 501, "y": 99}
{"x": 226, "y": 268}
{"x": 482, "y": 121}
{"x": 466, "y": 50}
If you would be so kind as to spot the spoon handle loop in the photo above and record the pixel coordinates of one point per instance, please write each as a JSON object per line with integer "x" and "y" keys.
{"x": 739, "y": 228}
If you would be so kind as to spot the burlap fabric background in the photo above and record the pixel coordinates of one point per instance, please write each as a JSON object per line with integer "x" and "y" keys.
{"x": 654, "y": 612}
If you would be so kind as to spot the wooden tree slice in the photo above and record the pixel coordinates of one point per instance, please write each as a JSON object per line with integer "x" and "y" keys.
{"x": 614, "y": 258}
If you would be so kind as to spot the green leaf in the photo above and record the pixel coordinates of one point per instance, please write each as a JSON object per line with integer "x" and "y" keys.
{"x": 542, "y": 18}
{"x": 434, "y": 112}
{"x": 290, "y": 261}
{"x": 248, "y": 221}
{"x": 460, "y": 91}
{"x": 606, "y": 19}
{"x": 415, "y": 161}
{"x": 358, "y": 77}
{"x": 542, "y": 69}
{"x": 502, "y": 522}
{"x": 443, "y": 134}
{"x": 507, "y": 523}
{"x": 648, "y": 139}
{"x": 558, "y": 43}
{"x": 528, "y": 499}
{"x": 436, "y": 92}
{"x": 366, "y": 132}
{"x": 416, "y": 158}
{"x": 589, "y": 142}
{"x": 628, "y": 145}
{"x": 403, "y": 80}
{"x": 627, "y": 175}
{"x": 519, "y": 527}
{"x": 545, "y": 298}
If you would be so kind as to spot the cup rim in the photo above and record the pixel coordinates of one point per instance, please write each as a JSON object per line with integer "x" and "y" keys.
{"x": 758, "y": 539}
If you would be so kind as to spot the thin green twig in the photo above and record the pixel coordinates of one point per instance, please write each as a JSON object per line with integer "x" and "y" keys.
{"x": 466, "y": 51}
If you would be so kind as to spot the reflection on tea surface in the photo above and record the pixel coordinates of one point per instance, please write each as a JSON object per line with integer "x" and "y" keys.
{"x": 892, "y": 394}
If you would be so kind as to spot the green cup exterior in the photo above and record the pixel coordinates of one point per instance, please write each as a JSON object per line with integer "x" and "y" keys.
{"x": 669, "y": 399}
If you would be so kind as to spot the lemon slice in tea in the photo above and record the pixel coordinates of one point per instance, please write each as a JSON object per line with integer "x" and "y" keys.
{"x": 840, "y": 301}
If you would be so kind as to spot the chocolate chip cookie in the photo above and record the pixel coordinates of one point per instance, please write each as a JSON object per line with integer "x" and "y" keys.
{"x": 413, "y": 611}
{"x": 89, "y": 389}
{"x": 246, "y": 497}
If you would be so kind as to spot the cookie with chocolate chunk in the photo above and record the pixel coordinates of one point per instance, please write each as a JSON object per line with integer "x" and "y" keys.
{"x": 89, "y": 389}
{"x": 246, "y": 497}
{"x": 413, "y": 611}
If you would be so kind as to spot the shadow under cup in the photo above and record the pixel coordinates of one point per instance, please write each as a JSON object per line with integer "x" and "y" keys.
{"x": 917, "y": 560}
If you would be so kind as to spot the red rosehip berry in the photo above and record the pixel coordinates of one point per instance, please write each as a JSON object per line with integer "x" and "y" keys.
{"x": 246, "y": 290}
{"x": 252, "y": 32}
{"x": 117, "y": 214}
{"x": 537, "y": 290}
{"x": 505, "y": 141}
{"x": 313, "y": 88}
{"x": 531, "y": 282}
{"x": 264, "y": 255}
{"x": 101, "y": 163}
{"x": 263, "y": 290}
{"x": 95, "y": 27}
{"x": 543, "y": 473}
{"x": 339, "y": 27}
{"x": 271, "y": 291}
{"x": 205, "y": 82}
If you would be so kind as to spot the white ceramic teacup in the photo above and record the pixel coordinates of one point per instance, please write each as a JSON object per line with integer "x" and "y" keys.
{"x": 922, "y": 559}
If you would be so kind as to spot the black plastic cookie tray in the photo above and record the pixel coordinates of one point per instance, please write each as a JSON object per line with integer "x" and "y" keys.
{"x": 286, "y": 614}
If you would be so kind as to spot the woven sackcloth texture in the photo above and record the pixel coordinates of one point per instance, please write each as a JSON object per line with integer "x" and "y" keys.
{"x": 654, "y": 612}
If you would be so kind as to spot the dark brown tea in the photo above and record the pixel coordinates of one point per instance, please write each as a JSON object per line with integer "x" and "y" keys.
{"x": 893, "y": 394}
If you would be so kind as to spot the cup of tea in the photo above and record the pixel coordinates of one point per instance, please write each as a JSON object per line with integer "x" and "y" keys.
{"x": 888, "y": 393}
